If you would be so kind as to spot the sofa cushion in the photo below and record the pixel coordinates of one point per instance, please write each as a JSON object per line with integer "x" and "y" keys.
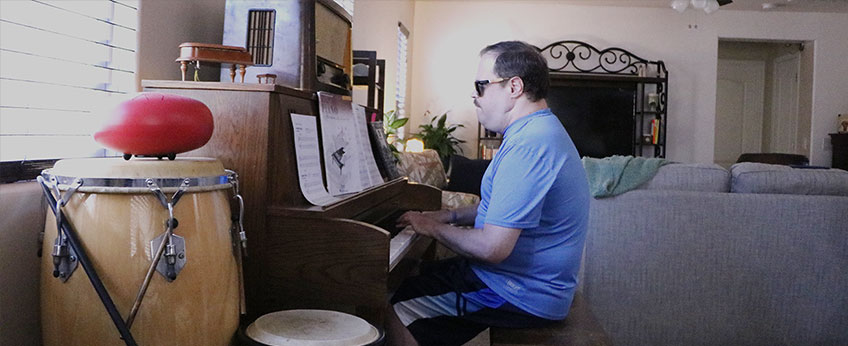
{"x": 423, "y": 168}
{"x": 749, "y": 177}
{"x": 689, "y": 177}
{"x": 466, "y": 174}
{"x": 456, "y": 200}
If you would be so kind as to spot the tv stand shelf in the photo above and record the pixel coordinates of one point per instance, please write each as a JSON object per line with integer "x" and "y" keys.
{"x": 610, "y": 101}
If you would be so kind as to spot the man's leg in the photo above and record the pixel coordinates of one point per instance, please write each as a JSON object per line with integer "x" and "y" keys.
{"x": 425, "y": 309}
{"x": 396, "y": 332}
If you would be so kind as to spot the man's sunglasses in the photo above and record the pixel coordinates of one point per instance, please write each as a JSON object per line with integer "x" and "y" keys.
{"x": 480, "y": 85}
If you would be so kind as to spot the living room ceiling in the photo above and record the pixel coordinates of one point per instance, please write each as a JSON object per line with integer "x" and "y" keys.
{"x": 827, "y": 6}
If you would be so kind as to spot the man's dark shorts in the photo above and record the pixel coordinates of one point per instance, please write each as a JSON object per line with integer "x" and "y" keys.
{"x": 448, "y": 305}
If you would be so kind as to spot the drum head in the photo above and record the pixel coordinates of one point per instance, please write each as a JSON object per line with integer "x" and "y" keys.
{"x": 313, "y": 328}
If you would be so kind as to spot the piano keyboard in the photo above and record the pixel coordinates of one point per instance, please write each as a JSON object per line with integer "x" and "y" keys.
{"x": 400, "y": 245}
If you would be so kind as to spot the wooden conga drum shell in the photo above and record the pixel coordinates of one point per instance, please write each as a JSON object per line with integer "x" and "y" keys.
{"x": 115, "y": 227}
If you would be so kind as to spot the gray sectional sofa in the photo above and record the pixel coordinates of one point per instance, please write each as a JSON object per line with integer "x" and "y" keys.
{"x": 699, "y": 255}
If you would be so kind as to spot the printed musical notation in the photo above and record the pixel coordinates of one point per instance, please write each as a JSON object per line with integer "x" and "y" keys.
{"x": 341, "y": 155}
{"x": 348, "y": 158}
{"x": 309, "y": 160}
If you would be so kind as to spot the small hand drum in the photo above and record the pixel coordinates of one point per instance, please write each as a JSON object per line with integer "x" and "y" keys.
{"x": 311, "y": 328}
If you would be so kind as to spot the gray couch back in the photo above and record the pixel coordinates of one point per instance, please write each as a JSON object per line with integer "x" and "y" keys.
{"x": 668, "y": 267}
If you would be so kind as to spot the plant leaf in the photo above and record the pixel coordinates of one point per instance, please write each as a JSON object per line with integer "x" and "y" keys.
{"x": 442, "y": 120}
{"x": 398, "y": 123}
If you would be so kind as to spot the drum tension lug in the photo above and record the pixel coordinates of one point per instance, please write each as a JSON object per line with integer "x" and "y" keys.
{"x": 64, "y": 260}
{"x": 64, "y": 256}
{"x": 173, "y": 259}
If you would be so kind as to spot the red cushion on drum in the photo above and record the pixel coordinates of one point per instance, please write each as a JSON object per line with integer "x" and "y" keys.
{"x": 157, "y": 124}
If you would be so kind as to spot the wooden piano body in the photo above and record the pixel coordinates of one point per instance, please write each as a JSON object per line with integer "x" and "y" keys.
{"x": 300, "y": 255}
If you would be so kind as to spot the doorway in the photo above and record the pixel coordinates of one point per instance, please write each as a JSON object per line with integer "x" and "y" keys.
{"x": 763, "y": 99}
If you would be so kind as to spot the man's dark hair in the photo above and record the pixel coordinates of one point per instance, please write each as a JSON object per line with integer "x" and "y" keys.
{"x": 516, "y": 58}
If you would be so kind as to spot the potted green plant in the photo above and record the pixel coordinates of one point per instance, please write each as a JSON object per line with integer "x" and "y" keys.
{"x": 437, "y": 135}
{"x": 391, "y": 123}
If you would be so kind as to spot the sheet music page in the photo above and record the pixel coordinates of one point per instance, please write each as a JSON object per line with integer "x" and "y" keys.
{"x": 341, "y": 150}
{"x": 309, "y": 160}
{"x": 369, "y": 175}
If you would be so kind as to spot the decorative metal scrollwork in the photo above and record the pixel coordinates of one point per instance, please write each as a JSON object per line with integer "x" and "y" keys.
{"x": 581, "y": 57}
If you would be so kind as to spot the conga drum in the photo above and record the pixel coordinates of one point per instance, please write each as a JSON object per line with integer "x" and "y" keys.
{"x": 310, "y": 328}
{"x": 119, "y": 221}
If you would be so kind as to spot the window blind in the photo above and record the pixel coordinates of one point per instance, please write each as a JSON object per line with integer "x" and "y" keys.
{"x": 61, "y": 64}
{"x": 400, "y": 80}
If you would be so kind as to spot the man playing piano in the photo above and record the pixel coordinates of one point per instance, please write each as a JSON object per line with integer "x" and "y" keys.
{"x": 518, "y": 264}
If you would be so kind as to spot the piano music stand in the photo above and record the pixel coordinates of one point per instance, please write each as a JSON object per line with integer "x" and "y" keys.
{"x": 237, "y": 56}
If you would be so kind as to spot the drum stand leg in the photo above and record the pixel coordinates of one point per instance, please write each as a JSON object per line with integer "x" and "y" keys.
{"x": 66, "y": 229}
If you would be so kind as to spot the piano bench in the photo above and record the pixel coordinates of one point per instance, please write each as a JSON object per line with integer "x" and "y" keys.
{"x": 580, "y": 328}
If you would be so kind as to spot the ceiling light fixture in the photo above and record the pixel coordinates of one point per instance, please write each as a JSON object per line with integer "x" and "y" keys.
{"x": 708, "y": 6}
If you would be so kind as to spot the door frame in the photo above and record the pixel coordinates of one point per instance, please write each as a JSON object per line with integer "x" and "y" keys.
{"x": 776, "y": 80}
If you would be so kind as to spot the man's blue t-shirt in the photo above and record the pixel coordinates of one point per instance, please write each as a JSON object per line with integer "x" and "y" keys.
{"x": 536, "y": 183}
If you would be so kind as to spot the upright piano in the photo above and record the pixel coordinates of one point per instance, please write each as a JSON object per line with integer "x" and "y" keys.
{"x": 346, "y": 256}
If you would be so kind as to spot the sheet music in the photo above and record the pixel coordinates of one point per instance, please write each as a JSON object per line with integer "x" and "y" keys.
{"x": 309, "y": 160}
{"x": 341, "y": 150}
{"x": 369, "y": 175}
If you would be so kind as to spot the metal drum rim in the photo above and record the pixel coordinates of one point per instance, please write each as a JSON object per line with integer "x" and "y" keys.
{"x": 139, "y": 185}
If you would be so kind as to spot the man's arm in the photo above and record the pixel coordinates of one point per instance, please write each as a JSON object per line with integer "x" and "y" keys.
{"x": 490, "y": 244}
{"x": 459, "y": 216}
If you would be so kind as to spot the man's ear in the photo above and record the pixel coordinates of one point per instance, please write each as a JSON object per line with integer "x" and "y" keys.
{"x": 516, "y": 87}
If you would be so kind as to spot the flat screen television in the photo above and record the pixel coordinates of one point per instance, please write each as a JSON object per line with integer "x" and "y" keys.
{"x": 599, "y": 119}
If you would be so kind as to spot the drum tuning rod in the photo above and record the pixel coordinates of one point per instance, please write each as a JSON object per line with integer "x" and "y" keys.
{"x": 73, "y": 241}
{"x": 170, "y": 224}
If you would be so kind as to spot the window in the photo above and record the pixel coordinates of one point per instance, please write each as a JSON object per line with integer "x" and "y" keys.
{"x": 59, "y": 62}
{"x": 400, "y": 81}
{"x": 260, "y": 36}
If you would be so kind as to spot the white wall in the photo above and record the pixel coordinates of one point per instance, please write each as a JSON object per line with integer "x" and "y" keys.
{"x": 450, "y": 34}
{"x": 375, "y": 25}
{"x": 165, "y": 25}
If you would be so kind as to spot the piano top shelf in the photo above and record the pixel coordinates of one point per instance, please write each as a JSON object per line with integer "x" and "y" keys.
{"x": 186, "y": 85}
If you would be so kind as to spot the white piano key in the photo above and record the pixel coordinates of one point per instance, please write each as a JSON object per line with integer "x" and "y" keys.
{"x": 400, "y": 244}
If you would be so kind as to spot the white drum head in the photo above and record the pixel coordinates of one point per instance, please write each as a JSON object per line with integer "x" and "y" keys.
{"x": 312, "y": 328}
